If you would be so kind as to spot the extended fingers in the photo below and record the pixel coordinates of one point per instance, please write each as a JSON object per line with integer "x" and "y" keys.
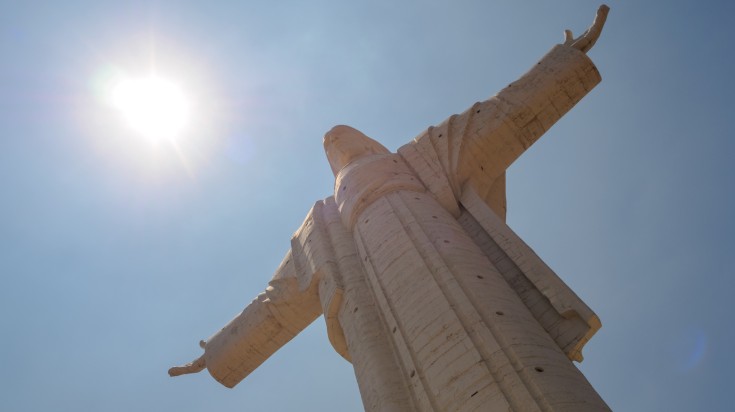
{"x": 192, "y": 367}
{"x": 589, "y": 38}
{"x": 593, "y": 33}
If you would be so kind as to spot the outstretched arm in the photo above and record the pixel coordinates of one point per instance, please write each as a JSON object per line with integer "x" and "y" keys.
{"x": 288, "y": 305}
{"x": 272, "y": 319}
{"x": 477, "y": 146}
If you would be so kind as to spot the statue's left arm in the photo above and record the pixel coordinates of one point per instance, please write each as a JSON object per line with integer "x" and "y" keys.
{"x": 477, "y": 146}
{"x": 462, "y": 162}
{"x": 588, "y": 39}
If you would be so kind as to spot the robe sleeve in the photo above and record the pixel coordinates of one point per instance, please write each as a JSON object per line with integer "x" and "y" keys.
{"x": 567, "y": 319}
{"x": 462, "y": 162}
{"x": 292, "y": 300}
{"x": 477, "y": 146}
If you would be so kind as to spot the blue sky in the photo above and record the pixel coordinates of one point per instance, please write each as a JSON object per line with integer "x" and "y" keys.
{"x": 118, "y": 255}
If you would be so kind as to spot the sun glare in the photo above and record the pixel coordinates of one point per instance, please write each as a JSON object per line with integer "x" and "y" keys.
{"x": 152, "y": 106}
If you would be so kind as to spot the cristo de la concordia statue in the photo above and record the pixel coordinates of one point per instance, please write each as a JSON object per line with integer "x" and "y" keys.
{"x": 435, "y": 301}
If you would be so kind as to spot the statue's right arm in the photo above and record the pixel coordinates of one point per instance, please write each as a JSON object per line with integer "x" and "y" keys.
{"x": 272, "y": 319}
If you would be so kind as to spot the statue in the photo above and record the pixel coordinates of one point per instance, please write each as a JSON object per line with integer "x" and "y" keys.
{"x": 435, "y": 301}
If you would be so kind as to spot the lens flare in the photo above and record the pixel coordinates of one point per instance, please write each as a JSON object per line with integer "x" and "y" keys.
{"x": 688, "y": 348}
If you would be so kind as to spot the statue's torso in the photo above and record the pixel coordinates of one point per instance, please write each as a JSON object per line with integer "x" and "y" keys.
{"x": 461, "y": 335}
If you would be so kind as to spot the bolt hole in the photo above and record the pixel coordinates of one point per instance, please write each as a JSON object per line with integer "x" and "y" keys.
{"x": 477, "y": 111}
{"x": 474, "y": 394}
{"x": 354, "y": 311}
{"x": 446, "y": 241}
{"x": 413, "y": 373}
{"x": 394, "y": 329}
{"x": 435, "y": 217}
{"x": 482, "y": 168}
{"x": 367, "y": 220}
{"x": 500, "y": 313}
{"x": 480, "y": 277}
{"x": 344, "y": 187}
{"x": 395, "y": 161}
{"x": 538, "y": 369}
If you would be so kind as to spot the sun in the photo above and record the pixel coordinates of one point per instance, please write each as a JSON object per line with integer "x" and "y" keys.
{"x": 154, "y": 107}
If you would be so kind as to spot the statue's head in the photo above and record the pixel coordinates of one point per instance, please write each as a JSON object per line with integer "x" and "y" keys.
{"x": 343, "y": 144}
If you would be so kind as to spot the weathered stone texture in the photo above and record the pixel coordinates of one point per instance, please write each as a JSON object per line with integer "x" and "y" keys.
{"x": 437, "y": 303}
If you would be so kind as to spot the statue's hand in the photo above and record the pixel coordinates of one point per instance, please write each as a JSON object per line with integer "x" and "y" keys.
{"x": 191, "y": 367}
{"x": 589, "y": 37}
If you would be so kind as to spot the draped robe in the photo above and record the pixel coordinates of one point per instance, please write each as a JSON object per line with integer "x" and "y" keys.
{"x": 435, "y": 301}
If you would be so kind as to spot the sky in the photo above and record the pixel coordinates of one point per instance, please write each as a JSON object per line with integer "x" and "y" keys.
{"x": 118, "y": 253}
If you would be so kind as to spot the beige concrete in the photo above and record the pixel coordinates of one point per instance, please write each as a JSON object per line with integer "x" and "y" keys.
{"x": 437, "y": 303}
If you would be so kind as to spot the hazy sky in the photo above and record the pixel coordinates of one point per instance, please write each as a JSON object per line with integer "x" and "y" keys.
{"x": 117, "y": 255}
